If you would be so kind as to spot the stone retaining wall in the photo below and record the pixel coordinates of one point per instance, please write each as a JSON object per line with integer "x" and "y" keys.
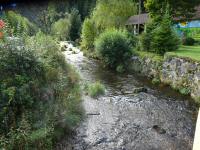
{"x": 180, "y": 73}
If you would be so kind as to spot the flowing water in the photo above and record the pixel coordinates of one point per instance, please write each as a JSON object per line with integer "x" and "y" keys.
{"x": 159, "y": 119}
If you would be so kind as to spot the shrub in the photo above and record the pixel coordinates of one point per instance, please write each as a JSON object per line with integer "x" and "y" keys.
{"x": 88, "y": 34}
{"x": 164, "y": 37}
{"x": 113, "y": 48}
{"x": 188, "y": 41}
{"x": 96, "y": 89}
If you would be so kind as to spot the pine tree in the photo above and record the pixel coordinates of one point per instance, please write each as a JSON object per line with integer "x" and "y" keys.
{"x": 164, "y": 37}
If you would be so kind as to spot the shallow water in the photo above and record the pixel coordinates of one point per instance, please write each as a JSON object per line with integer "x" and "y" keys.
{"x": 159, "y": 119}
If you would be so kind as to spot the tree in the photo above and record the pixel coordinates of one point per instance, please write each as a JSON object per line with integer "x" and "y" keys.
{"x": 88, "y": 34}
{"x": 61, "y": 29}
{"x": 177, "y": 8}
{"x": 75, "y": 20}
{"x": 19, "y": 25}
{"x": 48, "y": 17}
{"x": 164, "y": 38}
{"x": 113, "y": 13}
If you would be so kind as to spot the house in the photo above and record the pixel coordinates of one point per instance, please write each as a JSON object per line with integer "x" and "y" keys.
{"x": 136, "y": 24}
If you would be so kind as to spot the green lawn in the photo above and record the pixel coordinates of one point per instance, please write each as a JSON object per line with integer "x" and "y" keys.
{"x": 192, "y": 52}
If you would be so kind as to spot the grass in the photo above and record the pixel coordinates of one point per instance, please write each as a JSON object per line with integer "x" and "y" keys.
{"x": 192, "y": 52}
{"x": 153, "y": 56}
{"x": 96, "y": 89}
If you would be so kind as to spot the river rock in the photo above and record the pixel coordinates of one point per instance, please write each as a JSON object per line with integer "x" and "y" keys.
{"x": 159, "y": 129}
{"x": 139, "y": 90}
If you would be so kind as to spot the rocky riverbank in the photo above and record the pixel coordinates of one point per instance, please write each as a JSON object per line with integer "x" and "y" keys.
{"x": 182, "y": 74}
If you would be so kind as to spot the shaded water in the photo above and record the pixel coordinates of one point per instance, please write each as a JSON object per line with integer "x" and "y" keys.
{"x": 159, "y": 119}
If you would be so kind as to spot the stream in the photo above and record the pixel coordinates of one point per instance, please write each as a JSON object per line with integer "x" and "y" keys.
{"x": 157, "y": 119}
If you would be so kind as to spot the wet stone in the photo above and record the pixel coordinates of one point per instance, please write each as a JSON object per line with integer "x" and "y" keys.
{"x": 139, "y": 90}
{"x": 159, "y": 129}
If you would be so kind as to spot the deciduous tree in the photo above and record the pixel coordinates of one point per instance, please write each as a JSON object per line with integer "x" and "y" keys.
{"x": 184, "y": 8}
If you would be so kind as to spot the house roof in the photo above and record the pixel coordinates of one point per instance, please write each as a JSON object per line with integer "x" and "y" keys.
{"x": 138, "y": 19}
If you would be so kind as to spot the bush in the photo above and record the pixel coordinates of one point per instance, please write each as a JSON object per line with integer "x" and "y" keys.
{"x": 188, "y": 41}
{"x": 96, "y": 89}
{"x": 164, "y": 38}
{"x": 113, "y": 48}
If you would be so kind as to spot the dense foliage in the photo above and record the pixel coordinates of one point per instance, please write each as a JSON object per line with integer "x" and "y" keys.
{"x": 113, "y": 48}
{"x": 51, "y": 11}
{"x": 184, "y": 8}
{"x": 39, "y": 93}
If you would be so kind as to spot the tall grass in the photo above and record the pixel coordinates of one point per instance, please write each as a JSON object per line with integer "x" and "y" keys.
{"x": 96, "y": 89}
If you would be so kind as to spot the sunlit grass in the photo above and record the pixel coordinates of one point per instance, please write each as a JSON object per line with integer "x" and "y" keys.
{"x": 192, "y": 52}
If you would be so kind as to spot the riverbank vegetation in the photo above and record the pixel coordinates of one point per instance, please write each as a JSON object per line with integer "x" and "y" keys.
{"x": 113, "y": 47}
{"x": 96, "y": 89}
{"x": 40, "y": 93}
